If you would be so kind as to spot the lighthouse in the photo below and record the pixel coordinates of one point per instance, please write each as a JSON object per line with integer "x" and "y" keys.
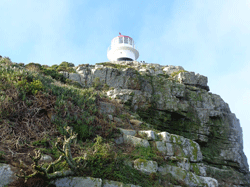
{"x": 122, "y": 49}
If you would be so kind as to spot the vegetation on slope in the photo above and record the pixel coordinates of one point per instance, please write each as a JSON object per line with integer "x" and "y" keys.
{"x": 36, "y": 105}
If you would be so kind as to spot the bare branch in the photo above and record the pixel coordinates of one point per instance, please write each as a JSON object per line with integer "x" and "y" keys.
{"x": 75, "y": 166}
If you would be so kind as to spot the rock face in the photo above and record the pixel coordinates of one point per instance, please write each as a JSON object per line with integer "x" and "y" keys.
{"x": 188, "y": 178}
{"x": 184, "y": 153}
{"x": 177, "y": 103}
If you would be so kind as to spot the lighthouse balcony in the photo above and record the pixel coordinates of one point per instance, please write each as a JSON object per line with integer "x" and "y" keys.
{"x": 122, "y": 45}
{"x": 122, "y": 53}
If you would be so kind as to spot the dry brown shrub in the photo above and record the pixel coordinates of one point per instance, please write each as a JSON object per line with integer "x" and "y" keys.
{"x": 25, "y": 121}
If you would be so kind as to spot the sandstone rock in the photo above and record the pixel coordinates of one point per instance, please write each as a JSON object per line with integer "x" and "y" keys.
{"x": 164, "y": 136}
{"x": 169, "y": 149}
{"x": 136, "y": 122}
{"x": 150, "y": 135}
{"x": 109, "y": 183}
{"x": 77, "y": 182}
{"x": 176, "y": 172}
{"x": 107, "y": 108}
{"x": 144, "y": 71}
{"x": 190, "y": 78}
{"x": 110, "y": 117}
{"x": 178, "y": 90}
{"x": 186, "y": 177}
{"x": 158, "y": 72}
{"x": 128, "y": 163}
{"x": 46, "y": 159}
{"x": 128, "y": 132}
{"x": 211, "y": 182}
{"x": 135, "y": 141}
{"x": 171, "y": 69}
{"x": 98, "y": 66}
{"x": 146, "y": 166}
{"x": 65, "y": 73}
{"x": 119, "y": 140}
{"x": 123, "y": 94}
{"x": 119, "y": 120}
{"x": 75, "y": 77}
{"x": 198, "y": 169}
{"x": 161, "y": 146}
{"x": 165, "y": 148}
{"x": 179, "y": 146}
{"x": 232, "y": 176}
{"x": 184, "y": 164}
{"x": 7, "y": 174}
{"x": 192, "y": 150}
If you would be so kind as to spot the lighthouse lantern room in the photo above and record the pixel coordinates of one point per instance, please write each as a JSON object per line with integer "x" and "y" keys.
{"x": 122, "y": 49}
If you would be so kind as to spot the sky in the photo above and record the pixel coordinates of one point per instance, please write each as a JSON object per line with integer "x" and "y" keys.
{"x": 209, "y": 37}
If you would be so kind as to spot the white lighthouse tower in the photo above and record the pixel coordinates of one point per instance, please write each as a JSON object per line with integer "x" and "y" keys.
{"x": 122, "y": 49}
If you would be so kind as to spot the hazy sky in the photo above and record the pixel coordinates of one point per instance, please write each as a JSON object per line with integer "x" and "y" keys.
{"x": 210, "y": 37}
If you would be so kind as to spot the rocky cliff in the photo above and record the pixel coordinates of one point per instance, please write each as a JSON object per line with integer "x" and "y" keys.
{"x": 171, "y": 99}
{"x": 138, "y": 124}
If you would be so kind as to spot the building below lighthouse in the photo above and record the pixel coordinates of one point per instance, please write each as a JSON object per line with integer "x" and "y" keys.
{"x": 122, "y": 49}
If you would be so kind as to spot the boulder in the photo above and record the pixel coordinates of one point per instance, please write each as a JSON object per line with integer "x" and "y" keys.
{"x": 107, "y": 108}
{"x": 171, "y": 69}
{"x": 165, "y": 148}
{"x": 146, "y": 166}
{"x": 77, "y": 182}
{"x": 190, "y": 78}
{"x": 110, "y": 183}
{"x": 135, "y": 141}
{"x": 46, "y": 159}
{"x": 7, "y": 174}
{"x": 136, "y": 122}
{"x": 128, "y": 132}
{"x": 175, "y": 145}
{"x": 150, "y": 135}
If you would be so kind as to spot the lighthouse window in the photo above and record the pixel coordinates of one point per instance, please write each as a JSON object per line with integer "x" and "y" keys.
{"x": 130, "y": 41}
{"x": 125, "y": 40}
{"x": 120, "y": 40}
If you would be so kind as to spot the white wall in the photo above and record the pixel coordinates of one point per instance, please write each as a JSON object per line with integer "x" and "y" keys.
{"x": 113, "y": 55}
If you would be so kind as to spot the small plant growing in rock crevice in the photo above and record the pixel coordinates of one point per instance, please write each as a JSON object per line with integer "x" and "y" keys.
{"x": 97, "y": 83}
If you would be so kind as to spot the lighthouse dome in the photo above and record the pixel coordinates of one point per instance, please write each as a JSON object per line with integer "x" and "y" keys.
{"x": 122, "y": 48}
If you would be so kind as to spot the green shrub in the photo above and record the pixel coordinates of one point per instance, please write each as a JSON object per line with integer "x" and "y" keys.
{"x": 44, "y": 142}
{"x": 6, "y": 61}
{"x": 2, "y": 155}
{"x": 54, "y": 74}
{"x": 97, "y": 83}
{"x": 84, "y": 131}
{"x": 67, "y": 64}
{"x": 30, "y": 87}
{"x": 117, "y": 66}
{"x": 34, "y": 67}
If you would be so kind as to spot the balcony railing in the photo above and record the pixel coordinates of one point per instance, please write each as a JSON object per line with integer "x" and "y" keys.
{"x": 122, "y": 44}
